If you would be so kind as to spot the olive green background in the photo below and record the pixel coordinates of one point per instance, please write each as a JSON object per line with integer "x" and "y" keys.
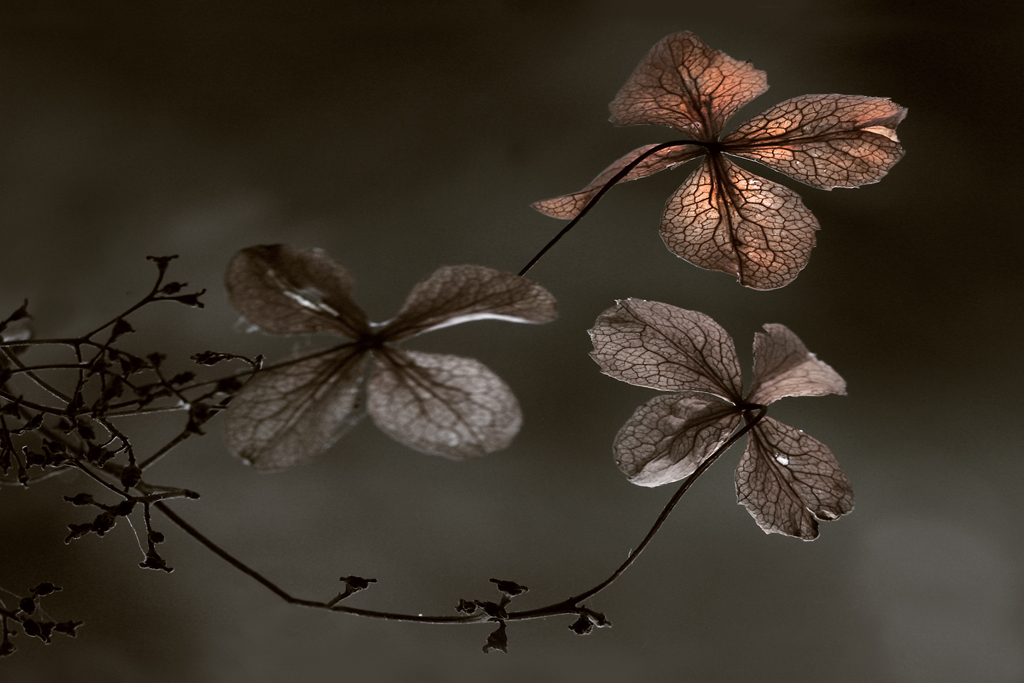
{"x": 412, "y": 135}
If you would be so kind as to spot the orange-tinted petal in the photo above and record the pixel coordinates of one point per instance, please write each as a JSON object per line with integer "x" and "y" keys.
{"x": 568, "y": 206}
{"x": 726, "y": 218}
{"x": 684, "y": 84}
{"x": 825, "y": 141}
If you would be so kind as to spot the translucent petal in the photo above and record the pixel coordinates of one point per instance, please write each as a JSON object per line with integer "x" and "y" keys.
{"x": 293, "y": 290}
{"x": 728, "y": 219}
{"x": 825, "y": 141}
{"x": 788, "y": 481}
{"x": 651, "y": 344}
{"x": 784, "y": 367}
{"x": 684, "y": 84}
{"x": 671, "y": 435}
{"x": 568, "y": 206}
{"x": 289, "y": 414}
{"x": 457, "y": 294}
{"x": 443, "y": 405}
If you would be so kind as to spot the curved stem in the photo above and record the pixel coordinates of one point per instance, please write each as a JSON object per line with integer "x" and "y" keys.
{"x": 288, "y": 597}
{"x": 30, "y": 372}
{"x": 14, "y": 343}
{"x": 570, "y": 605}
{"x": 673, "y": 501}
{"x": 600, "y": 193}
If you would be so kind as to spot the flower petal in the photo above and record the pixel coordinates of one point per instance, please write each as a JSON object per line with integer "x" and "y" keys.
{"x": 443, "y": 405}
{"x": 290, "y": 413}
{"x": 726, "y": 218}
{"x": 294, "y": 290}
{"x": 784, "y": 367}
{"x": 684, "y": 84}
{"x": 825, "y": 141}
{"x": 668, "y": 437}
{"x": 651, "y": 344}
{"x": 569, "y": 206}
{"x": 788, "y": 481}
{"x": 458, "y": 294}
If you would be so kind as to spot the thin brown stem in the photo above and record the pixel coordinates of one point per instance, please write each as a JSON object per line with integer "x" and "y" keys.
{"x": 288, "y": 597}
{"x": 570, "y": 605}
{"x": 575, "y": 600}
{"x": 600, "y": 193}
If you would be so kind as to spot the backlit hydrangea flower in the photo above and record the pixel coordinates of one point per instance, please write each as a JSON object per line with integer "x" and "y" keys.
{"x": 724, "y": 217}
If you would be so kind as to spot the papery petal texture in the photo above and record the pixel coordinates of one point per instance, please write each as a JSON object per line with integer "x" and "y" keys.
{"x": 723, "y": 217}
{"x": 294, "y": 290}
{"x": 568, "y": 206}
{"x": 825, "y": 141}
{"x": 726, "y": 218}
{"x": 684, "y": 84}
{"x": 441, "y": 404}
{"x": 668, "y": 437}
{"x": 288, "y": 414}
{"x": 458, "y": 294}
{"x": 651, "y": 344}
{"x": 784, "y": 367}
{"x": 788, "y": 481}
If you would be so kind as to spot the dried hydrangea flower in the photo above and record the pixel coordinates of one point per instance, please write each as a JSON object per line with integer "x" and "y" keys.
{"x": 724, "y": 217}
{"x": 786, "y": 479}
{"x": 439, "y": 404}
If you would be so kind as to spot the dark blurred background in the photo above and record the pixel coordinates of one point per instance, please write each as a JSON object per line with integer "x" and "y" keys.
{"x": 404, "y": 136}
